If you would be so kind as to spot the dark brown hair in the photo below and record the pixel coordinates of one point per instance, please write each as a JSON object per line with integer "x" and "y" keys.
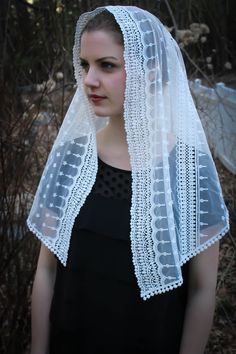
{"x": 105, "y": 21}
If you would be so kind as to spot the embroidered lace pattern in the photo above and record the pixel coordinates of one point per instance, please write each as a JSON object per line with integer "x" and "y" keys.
{"x": 167, "y": 228}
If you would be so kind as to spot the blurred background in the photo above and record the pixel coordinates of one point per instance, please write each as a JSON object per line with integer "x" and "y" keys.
{"x": 36, "y": 87}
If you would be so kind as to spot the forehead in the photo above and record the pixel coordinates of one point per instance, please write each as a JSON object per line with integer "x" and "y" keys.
{"x": 97, "y": 42}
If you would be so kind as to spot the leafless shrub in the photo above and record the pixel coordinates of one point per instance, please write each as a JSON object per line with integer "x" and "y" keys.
{"x": 36, "y": 86}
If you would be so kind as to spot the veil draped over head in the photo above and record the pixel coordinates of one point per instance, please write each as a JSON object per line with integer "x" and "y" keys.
{"x": 177, "y": 207}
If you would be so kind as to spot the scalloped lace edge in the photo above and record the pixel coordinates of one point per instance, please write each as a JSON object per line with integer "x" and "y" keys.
{"x": 145, "y": 295}
{"x": 43, "y": 239}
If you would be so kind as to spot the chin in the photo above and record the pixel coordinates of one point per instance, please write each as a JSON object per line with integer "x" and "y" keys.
{"x": 100, "y": 114}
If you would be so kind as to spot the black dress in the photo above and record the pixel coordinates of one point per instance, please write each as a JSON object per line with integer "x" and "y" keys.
{"x": 96, "y": 307}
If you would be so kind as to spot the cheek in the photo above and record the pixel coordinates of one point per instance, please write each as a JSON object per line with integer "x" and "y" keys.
{"x": 118, "y": 83}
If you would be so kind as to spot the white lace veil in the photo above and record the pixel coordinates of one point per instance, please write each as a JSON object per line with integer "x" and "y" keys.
{"x": 177, "y": 205}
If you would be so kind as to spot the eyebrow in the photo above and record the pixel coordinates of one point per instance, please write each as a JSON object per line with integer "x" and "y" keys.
{"x": 101, "y": 59}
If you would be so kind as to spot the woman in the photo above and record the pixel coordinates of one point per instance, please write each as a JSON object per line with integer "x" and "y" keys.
{"x": 123, "y": 209}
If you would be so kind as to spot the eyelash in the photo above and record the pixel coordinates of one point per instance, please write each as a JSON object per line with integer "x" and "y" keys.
{"x": 105, "y": 65}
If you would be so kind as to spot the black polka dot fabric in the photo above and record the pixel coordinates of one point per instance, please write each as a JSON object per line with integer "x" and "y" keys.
{"x": 112, "y": 182}
{"x": 96, "y": 295}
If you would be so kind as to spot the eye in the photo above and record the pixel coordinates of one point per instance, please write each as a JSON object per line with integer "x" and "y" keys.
{"x": 107, "y": 66}
{"x": 84, "y": 65}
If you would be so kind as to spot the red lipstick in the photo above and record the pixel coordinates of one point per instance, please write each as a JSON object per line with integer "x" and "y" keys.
{"x": 96, "y": 98}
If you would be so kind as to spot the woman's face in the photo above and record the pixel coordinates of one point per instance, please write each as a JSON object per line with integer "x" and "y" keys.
{"x": 104, "y": 75}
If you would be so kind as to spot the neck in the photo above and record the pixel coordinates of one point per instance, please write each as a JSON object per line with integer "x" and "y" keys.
{"x": 112, "y": 143}
{"x": 115, "y": 133}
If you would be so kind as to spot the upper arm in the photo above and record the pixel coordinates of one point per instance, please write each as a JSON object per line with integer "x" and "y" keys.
{"x": 203, "y": 269}
{"x": 46, "y": 259}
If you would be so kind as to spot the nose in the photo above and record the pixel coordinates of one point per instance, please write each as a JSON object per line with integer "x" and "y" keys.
{"x": 91, "y": 78}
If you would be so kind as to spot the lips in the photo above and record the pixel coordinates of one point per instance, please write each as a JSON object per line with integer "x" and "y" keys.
{"x": 96, "y": 98}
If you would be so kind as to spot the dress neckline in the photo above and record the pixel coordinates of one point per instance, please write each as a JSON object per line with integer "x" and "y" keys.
{"x": 113, "y": 167}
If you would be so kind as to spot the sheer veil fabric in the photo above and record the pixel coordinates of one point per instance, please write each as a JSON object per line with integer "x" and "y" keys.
{"x": 177, "y": 207}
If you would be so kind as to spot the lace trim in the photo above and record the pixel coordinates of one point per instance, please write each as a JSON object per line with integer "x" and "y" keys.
{"x": 59, "y": 244}
{"x": 160, "y": 114}
{"x": 160, "y": 290}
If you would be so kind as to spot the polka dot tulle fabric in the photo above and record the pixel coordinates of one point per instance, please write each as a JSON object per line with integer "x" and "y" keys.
{"x": 174, "y": 197}
{"x": 112, "y": 182}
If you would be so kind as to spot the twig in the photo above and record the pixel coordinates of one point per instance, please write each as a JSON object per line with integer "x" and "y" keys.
{"x": 224, "y": 273}
{"x": 197, "y": 67}
{"x": 171, "y": 15}
{"x": 231, "y": 239}
{"x": 27, "y": 4}
{"x": 227, "y": 317}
